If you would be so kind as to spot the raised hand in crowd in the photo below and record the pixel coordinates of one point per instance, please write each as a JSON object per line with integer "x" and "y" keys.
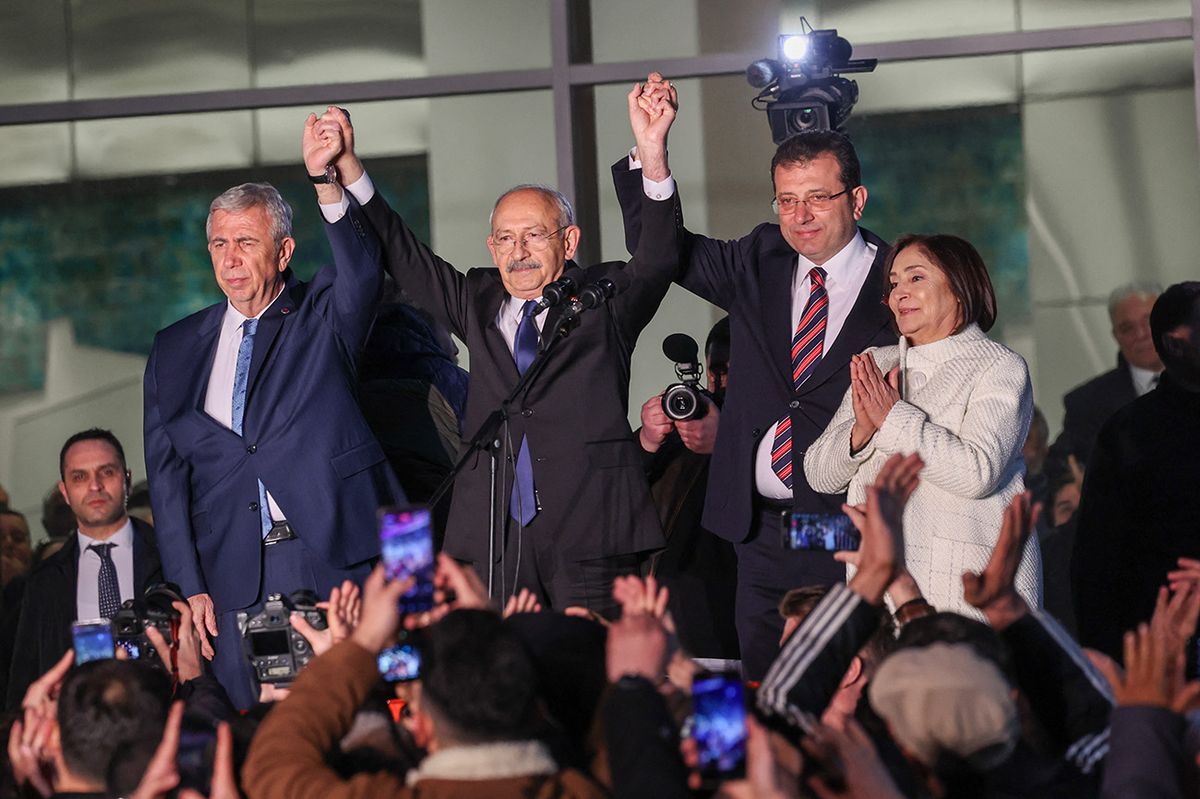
{"x": 162, "y": 774}
{"x": 652, "y": 109}
{"x": 772, "y": 767}
{"x": 872, "y": 395}
{"x": 28, "y": 754}
{"x": 522, "y": 602}
{"x": 184, "y": 662}
{"x": 656, "y": 425}
{"x": 860, "y": 772}
{"x": 993, "y": 591}
{"x": 880, "y": 520}
{"x": 1155, "y": 657}
{"x": 342, "y": 612}
{"x": 380, "y": 618}
{"x": 643, "y": 595}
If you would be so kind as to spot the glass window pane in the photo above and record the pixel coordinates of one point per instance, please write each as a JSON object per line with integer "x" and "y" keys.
{"x": 33, "y": 59}
{"x": 1038, "y": 14}
{"x": 891, "y": 20}
{"x": 164, "y": 144}
{"x": 469, "y": 36}
{"x": 158, "y": 47}
{"x": 37, "y": 154}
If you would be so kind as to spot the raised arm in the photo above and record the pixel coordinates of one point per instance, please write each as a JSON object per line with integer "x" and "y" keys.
{"x": 430, "y": 281}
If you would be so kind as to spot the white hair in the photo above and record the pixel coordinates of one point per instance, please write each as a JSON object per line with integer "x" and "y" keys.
{"x": 250, "y": 195}
{"x": 1138, "y": 288}
{"x": 566, "y": 213}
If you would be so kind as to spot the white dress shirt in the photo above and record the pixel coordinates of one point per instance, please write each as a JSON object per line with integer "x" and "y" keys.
{"x": 218, "y": 400}
{"x": 87, "y": 585}
{"x": 1144, "y": 380}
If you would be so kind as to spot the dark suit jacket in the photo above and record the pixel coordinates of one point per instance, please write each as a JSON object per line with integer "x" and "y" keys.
{"x": 1088, "y": 407}
{"x": 751, "y": 279}
{"x": 48, "y": 607}
{"x": 1138, "y": 513}
{"x": 587, "y": 467}
{"x": 303, "y": 433}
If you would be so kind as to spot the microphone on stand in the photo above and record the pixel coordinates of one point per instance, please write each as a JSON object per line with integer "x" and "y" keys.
{"x": 561, "y": 289}
{"x": 596, "y": 294}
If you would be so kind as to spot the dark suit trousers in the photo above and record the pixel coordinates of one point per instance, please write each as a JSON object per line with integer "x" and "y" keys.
{"x": 766, "y": 571}
{"x": 286, "y": 567}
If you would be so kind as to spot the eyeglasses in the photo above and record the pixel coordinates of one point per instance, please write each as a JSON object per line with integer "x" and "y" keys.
{"x": 819, "y": 201}
{"x": 533, "y": 241}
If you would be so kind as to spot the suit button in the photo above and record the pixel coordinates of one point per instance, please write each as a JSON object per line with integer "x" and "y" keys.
{"x": 756, "y": 432}
{"x": 253, "y": 448}
{"x": 794, "y": 404}
{"x": 527, "y": 412}
{"x": 540, "y": 460}
{"x": 253, "y": 507}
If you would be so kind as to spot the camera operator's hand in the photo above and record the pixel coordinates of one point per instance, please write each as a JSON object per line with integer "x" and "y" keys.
{"x": 700, "y": 435}
{"x": 187, "y": 664}
{"x": 204, "y": 616}
{"x": 380, "y": 612}
{"x": 656, "y": 425}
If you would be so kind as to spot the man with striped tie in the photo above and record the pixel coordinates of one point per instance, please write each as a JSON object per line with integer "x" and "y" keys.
{"x": 803, "y": 295}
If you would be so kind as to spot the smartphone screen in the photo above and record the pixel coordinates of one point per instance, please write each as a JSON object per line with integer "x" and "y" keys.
{"x": 194, "y": 758}
{"x": 406, "y": 539}
{"x": 831, "y": 532}
{"x": 400, "y": 663}
{"x": 93, "y": 640}
{"x": 719, "y": 724}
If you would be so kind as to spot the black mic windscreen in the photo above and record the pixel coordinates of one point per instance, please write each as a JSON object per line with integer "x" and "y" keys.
{"x": 681, "y": 348}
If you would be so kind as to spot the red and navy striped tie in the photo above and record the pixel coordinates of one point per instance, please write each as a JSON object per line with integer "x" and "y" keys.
{"x": 808, "y": 344}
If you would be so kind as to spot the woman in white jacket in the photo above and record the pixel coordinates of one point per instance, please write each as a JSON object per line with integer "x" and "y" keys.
{"x": 948, "y": 392}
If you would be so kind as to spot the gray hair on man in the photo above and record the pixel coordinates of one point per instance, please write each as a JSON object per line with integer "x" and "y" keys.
{"x": 1138, "y": 288}
{"x": 249, "y": 195}
{"x": 566, "y": 212}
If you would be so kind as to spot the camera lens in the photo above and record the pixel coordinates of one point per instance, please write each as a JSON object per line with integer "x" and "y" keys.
{"x": 680, "y": 402}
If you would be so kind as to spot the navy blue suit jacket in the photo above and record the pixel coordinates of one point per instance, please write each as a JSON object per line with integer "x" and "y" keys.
{"x": 303, "y": 433}
{"x": 751, "y": 279}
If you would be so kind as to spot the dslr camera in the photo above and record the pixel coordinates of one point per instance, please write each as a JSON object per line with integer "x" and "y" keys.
{"x": 154, "y": 609}
{"x": 276, "y": 650}
{"x": 684, "y": 400}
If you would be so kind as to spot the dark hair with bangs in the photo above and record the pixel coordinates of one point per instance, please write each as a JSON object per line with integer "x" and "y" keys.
{"x": 964, "y": 269}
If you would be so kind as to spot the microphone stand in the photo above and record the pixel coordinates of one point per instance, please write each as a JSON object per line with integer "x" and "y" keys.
{"x": 487, "y": 438}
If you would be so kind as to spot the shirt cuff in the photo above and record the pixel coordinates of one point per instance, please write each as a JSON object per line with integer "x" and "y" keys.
{"x": 333, "y": 212}
{"x": 655, "y": 189}
{"x": 362, "y": 189}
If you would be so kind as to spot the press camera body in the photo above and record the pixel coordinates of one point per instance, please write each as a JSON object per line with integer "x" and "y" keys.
{"x": 275, "y": 649}
{"x": 154, "y": 609}
{"x": 684, "y": 400}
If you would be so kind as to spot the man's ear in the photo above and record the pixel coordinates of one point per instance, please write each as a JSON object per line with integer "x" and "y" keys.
{"x": 853, "y": 672}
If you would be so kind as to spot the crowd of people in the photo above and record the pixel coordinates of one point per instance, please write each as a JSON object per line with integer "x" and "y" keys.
{"x": 616, "y": 612}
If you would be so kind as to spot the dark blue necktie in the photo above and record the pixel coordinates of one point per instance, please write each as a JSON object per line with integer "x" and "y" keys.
{"x": 108, "y": 589}
{"x": 241, "y": 377}
{"x": 523, "y": 503}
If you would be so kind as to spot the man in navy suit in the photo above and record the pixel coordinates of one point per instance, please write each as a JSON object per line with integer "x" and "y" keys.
{"x": 810, "y": 286}
{"x": 264, "y": 476}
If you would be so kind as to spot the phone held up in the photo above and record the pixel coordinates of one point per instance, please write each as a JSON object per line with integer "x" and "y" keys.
{"x": 406, "y": 539}
{"x": 93, "y": 640}
{"x": 719, "y": 725}
{"x": 828, "y": 532}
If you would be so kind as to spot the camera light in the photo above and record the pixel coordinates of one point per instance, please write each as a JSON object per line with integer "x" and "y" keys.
{"x": 794, "y": 47}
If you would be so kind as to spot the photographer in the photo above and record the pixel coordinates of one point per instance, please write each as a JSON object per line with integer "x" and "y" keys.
{"x": 699, "y": 568}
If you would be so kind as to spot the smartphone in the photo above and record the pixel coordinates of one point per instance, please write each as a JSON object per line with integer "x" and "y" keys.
{"x": 831, "y": 532}
{"x": 400, "y": 663}
{"x": 406, "y": 539}
{"x": 93, "y": 640}
{"x": 194, "y": 758}
{"x": 719, "y": 725}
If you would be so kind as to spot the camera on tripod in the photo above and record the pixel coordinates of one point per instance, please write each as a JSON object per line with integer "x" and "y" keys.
{"x": 276, "y": 650}
{"x": 155, "y": 610}
{"x": 684, "y": 400}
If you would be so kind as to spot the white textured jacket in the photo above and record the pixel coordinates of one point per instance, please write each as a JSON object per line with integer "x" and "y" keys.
{"x": 966, "y": 404}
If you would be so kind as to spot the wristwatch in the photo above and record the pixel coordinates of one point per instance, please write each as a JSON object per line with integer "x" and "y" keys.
{"x": 328, "y": 176}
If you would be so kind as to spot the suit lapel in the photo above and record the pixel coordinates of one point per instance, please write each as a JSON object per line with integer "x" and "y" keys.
{"x": 269, "y": 326}
{"x": 491, "y": 299}
{"x": 69, "y": 575}
{"x": 209, "y": 333}
{"x": 775, "y": 283}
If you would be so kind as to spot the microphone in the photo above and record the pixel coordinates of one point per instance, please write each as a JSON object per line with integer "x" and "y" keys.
{"x": 596, "y": 294}
{"x": 561, "y": 289}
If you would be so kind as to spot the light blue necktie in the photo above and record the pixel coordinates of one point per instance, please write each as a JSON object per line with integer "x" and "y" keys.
{"x": 522, "y": 505}
{"x": 241, "y": 377}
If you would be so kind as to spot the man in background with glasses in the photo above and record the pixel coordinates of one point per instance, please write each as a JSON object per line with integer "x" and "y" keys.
{"x": 803, "y": 295}
{"x": 572, "y": 509}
